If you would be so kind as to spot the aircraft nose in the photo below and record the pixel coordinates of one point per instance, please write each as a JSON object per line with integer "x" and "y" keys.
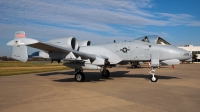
{"x": 187, "y": 54}
{"x": 190, "y": 55}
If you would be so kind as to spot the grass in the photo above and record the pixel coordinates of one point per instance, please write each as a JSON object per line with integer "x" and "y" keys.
{"x": 16, "y": 68}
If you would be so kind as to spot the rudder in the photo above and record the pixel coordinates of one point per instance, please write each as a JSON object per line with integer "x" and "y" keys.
{"x": 19, "y": 49}
{"x": 20, "y": 53}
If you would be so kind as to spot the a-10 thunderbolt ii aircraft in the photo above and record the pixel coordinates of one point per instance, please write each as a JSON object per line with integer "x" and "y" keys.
{"x": 100, "y": 57}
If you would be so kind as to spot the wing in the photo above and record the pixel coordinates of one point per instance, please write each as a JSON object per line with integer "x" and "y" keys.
{"x": 55, "y": 48}
{"x": 51, "y": 47}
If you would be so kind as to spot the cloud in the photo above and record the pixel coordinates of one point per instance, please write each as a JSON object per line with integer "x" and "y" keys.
{"x": 83, "y": 13}
{"x": 45, "y": 33}
{"x": 179, "y": 19}
{"x": 84, "y": 18}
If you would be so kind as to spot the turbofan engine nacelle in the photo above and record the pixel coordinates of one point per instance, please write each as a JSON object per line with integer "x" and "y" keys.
{"x": 68, "y": 42}
{"x": 84, "y": 43}
{"x": 170, "y": 62}
{"x": 84, "y": 66}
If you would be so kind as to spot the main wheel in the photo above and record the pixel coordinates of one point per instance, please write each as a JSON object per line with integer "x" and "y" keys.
{"x": 79, "y": 77}
{"x": 106, "y": 73}
{"x": 134, "y": 66}
{"x": 154, "y": 79}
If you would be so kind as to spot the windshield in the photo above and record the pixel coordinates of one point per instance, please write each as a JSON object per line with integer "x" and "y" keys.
{"x": 153, "y": 39}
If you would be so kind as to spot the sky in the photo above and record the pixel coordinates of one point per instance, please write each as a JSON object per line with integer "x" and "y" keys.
{"x": 100, "y": 21}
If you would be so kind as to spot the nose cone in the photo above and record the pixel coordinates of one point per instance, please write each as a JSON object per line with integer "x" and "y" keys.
{"x": 180, "y": 54}
{"x": 172, "y": 52}
{"x": 186, "y": 55}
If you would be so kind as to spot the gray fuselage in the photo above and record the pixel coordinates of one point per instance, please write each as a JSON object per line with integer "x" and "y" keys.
{"x": 136, "y": 51}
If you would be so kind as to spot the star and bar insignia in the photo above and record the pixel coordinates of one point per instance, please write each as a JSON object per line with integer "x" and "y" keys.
{"x": 124, "y": 50}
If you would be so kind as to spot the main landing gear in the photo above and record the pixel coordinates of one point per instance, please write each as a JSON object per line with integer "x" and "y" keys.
{"x": 80, "y": 76}
{"x": 105, "y": 72}
{"x": 153, "y": 78}
{"x": 134, "y": 64}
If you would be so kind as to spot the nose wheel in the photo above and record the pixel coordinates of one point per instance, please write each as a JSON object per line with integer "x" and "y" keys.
{"x": 153, "y": 78}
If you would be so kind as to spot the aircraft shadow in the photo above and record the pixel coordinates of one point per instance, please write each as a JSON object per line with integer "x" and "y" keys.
{"x": 56, "y": 73}
{"x": 96, "y": 76}
{"x": 142, "y": 67}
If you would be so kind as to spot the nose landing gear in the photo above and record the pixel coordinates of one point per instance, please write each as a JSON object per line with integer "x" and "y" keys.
{"x": 153, "y": 78}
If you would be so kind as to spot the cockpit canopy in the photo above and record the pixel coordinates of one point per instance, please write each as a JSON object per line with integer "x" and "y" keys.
{"x": 153, "y": 39}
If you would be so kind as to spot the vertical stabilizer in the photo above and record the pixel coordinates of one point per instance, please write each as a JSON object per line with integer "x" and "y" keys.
{"x": 20, "y": 53}
{"x": 19, "y": 49}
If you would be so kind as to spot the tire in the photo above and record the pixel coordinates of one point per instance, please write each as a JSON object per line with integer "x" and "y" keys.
{"x": 154, "y": 79}
{"x": 134, "y": 66}
{"x": 106, "y": 74}
{"x": 79, "y": 77}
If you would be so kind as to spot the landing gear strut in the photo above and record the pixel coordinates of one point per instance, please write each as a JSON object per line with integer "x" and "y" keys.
{"x": 104, "y": 71}
{"x": 153, "y": 78}
{"x": 79, "y": 76}
{"x": 134, "y": 64}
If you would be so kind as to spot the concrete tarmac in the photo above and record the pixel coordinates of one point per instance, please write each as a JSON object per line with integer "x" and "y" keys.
{"x": 129, "y": 90}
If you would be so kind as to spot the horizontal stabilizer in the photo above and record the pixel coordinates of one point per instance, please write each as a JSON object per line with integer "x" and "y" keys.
{"x": 19, "y": 46}
{"x": 22, "y": 41}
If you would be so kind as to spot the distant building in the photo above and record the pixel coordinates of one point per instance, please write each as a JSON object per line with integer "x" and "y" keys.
{"x": 192, "y": 49}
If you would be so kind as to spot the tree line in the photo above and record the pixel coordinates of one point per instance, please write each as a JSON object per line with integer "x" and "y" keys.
{"x": 5, "y": 58}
